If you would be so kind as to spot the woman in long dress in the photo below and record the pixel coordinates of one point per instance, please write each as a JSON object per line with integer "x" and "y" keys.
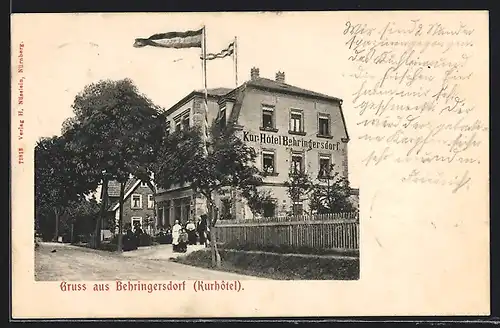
{"x": 176, "y": 231}
{"x": 202, "y": 229}
{"x": 191, "y": 231}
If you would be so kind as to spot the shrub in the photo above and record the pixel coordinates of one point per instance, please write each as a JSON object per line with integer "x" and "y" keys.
{"x": 66, "y": 238}
{"x": 110, "y": 247}
{"x": 145, "y": 240}
{"x": 163, "y": 238}
{"x": 81, "y": 239}
{"x": 285, "y": 249}
{"x": 132, "y": 242}
{"x": 128, "y": 243}
{"x": 278, "y": 266}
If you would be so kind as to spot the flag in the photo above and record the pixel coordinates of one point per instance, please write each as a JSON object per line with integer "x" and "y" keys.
{"x": 187, "y": 39}
{"x": 223, "y": 53}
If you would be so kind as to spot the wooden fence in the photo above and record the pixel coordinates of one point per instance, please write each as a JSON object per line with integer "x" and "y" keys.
{"x": 329, "y": 231}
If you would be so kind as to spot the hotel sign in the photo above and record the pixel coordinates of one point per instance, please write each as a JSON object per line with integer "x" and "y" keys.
{"x": 289, "y": 141}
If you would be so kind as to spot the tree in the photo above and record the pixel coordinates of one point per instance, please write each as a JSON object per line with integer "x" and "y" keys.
{"x": 299, "y": 185}
{"x": 257, "y": 199}
{"x": 80, "y": 217}
{"x": 332, "y": 195}
{"x": 58, "y": 182}
{"x": 208, "y": 166}
{"x": 116, "y": 132}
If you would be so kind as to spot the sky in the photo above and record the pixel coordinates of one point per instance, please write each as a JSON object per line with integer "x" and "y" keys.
{"x": 415, "y": 237}
{"x": 65, "y": 52}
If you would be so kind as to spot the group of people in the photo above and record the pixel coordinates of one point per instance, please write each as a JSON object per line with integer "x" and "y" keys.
{"x": 190, "y": 234}
{"x": 132, "y": 238}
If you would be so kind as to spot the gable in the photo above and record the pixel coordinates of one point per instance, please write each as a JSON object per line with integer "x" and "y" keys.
{"x": 127, "y": 194}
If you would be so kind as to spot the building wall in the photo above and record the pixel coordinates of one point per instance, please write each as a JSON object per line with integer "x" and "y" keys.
{"x": 168, "y": 200}
{"x": 251, "y": 120}
{"x": 174, "y": 205}
{"x": 143, "y": 212}
{"x": 309, "y": 145}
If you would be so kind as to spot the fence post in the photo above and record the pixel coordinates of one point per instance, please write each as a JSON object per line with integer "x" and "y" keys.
{"x": 331, "y": 230}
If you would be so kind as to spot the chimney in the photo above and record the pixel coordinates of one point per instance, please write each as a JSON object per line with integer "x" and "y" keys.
{"x": 280, "y": 77}
{"x": 254, "y": 73}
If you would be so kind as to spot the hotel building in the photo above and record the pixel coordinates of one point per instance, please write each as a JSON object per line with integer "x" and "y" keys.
{"x": 288, "y": 127}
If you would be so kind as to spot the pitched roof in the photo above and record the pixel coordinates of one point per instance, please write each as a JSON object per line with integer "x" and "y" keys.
{"x": 265, "y": 83}
{"x": 114, "y": 187}
{"x": 214, "y": 92}
{"x": 114, "y": 190}
{"x": 217, "y": 92}
{"x": 116, "y": 204}
{"x": 238, "y": 94}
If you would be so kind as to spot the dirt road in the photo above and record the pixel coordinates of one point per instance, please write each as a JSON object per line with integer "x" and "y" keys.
{"x": 73, "y": 263}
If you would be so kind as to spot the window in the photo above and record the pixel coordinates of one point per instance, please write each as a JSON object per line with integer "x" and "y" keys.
{"x": 166, "y": 213}
{"x": 296, "y": 121}
{"x": 178, "y": 125}
{"x": 136, "y": 221}
{"x": 268, "y": 162}
{"x": 222, "y": 117}
{"x": 267, "y": 117}
{"x": 136, "y": 201}
{"x": 186, "y": 214}
{"x": 151, "y": 203}
{"x": 144, "y": 184}
{"x": 160, "y": 220}
{"x": 324, "y": 166}
{"x": 177, "y": 210}
{"x": 185, "y": 122}
{"x": 168, "y": 128}
{"x": 226, "y": 209}
{"x": 269, "y": 209}
{"x": 323, "y": 125}
{"x": 297, "y": 208}
{"x": 297, "y": 163}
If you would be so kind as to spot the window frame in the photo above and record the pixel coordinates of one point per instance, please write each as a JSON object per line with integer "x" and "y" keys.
{"x": 177, "y": 205}
{"x": 272, "y": 202}
{"x": 132, "y": 218}
{"x": 295, "y": 203}
{"x": 151, "y": 201}
{"x": 132, "y": 202}
{"x": 226, "y": 201}
{"x": 186, "y": 208}
{"x": 269, "y": 109}
{"x": 302, "y": 160}
{"x": 178, "y": 125}
{"x": 273, "y": 153}
{"x": 321, "y": 157}
{"x": 301, "y": 131}
{"x": 184, "y": 118}
{"x": 222, "y": 116}
{"x": 324, "y": 116}
{"x": 167, "y": 205}
{"x": 168, "y": 127}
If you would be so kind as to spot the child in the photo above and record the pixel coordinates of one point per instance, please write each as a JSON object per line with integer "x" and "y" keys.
{"x": 183, "y": 241}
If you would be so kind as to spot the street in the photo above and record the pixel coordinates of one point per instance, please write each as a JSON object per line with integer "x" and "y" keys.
{"x": 73, "y": 263}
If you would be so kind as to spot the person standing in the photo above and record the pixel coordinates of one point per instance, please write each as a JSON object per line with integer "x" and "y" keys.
{"x": 191, "y": 230}
{"x": 202, "y": 229}
{"x": 176, "y": 231}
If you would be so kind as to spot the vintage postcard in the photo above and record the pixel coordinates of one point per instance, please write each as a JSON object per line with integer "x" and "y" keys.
{"x": 202, "y": 165}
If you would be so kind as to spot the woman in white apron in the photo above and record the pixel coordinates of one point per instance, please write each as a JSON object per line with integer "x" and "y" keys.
{"x": 176, "y": 231}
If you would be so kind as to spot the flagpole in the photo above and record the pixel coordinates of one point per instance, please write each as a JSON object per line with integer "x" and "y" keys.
{"x": 205, "y": 91}
{"x": 235, "y": 60}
